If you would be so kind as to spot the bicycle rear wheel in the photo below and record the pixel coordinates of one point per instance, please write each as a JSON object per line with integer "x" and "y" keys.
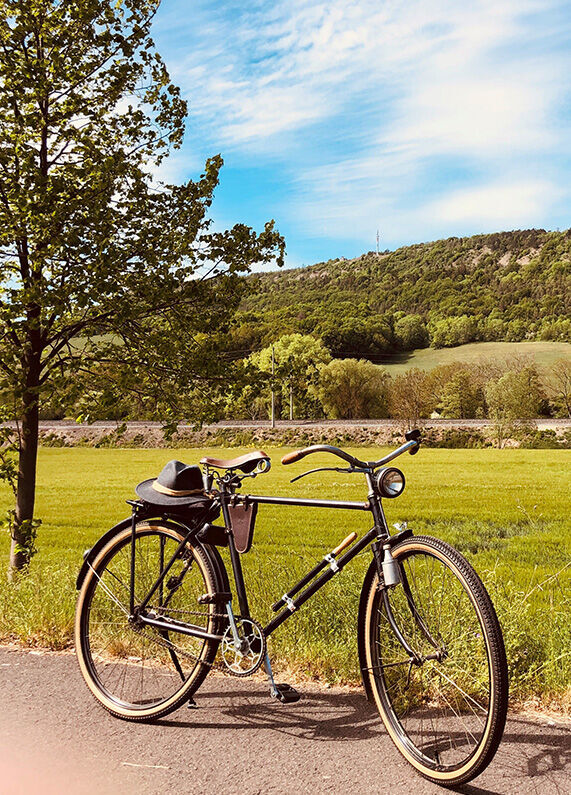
{"x": 135, "y": 671}
{"x": 445, "y": 707}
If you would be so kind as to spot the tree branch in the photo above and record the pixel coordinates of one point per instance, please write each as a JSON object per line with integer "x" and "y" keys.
{"x": 145, "y": 24}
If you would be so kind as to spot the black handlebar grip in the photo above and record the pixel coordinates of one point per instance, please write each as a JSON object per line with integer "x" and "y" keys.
{"x": 290, "y": 458}
{"x": 414, "y": 436}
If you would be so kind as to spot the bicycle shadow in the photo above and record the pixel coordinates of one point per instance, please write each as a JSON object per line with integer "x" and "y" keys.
{"x": 534, "y": 756}
{"x": 316, "y": 717}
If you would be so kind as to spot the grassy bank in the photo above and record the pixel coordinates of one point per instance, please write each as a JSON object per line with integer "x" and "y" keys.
{"x": 545, "y": 354}
{"x": 506, "y": 510}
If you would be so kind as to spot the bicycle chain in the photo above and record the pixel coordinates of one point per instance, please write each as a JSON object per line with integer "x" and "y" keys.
{"x": 178, "y": 651}
{"x": 214, "y": 666}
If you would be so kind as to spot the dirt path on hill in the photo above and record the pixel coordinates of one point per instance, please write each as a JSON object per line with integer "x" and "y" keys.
{"x": 55, "y": 738}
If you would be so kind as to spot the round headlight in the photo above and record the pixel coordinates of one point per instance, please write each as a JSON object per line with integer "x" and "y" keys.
{"x": 390, "y": 482}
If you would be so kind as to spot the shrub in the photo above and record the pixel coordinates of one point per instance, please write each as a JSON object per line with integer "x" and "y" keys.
{"x": 351, "y": 389}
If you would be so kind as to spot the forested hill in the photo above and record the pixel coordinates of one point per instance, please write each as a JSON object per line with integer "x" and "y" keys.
{"x": 506, "y": 286}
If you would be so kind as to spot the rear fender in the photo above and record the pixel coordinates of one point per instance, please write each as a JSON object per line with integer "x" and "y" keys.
{"x": 90, "y": 554}
{"x": 219, "y": 568}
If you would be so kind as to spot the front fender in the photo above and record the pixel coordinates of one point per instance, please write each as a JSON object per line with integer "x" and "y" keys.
{"x": 362, "y": 629}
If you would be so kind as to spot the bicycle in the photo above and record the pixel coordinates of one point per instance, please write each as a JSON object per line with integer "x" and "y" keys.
{"x": 155, "y": 606}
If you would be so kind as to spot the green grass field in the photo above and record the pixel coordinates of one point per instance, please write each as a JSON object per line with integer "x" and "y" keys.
{"x": 544, "y": 353}
{"x": 506, "y": 510}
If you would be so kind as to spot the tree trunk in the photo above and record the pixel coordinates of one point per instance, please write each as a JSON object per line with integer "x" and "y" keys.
{"x": 22, "y": 529}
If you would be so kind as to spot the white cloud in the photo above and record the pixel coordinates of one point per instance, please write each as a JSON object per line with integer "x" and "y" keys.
{"x": 285, "y": 67}
{"x": 289, "y": 66}
{"x": 177, "y": 167}
{"x": 505, "y": 205}
{"x": 362, "y": 102}
{"x": 332, "y": 209}
{"x": 477, "y": 117}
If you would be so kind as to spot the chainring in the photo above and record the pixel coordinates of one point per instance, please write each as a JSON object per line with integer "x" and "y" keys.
{"x": 246, "y": 660}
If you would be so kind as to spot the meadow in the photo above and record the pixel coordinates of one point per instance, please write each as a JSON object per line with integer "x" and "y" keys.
{"x": 506, "y": 510}
{"x": 544, "y": 354}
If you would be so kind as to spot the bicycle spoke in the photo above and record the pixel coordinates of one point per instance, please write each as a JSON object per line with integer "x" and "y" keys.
{"x": 139, "y": 666}
{"x": 441, "y": 704}
{"x": 108, "y": 591}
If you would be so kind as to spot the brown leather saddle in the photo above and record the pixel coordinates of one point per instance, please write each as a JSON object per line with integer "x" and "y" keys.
{"x": 245, "y": 463}
{"x": 241, "y": 511}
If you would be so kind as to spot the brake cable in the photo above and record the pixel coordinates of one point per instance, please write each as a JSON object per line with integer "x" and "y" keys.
{"x": 327, "y": 469}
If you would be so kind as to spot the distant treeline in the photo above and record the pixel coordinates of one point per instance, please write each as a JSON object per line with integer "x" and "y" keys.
{"x": 298, "y": 375}
{"x": 509, "y": 286}
{"x": 328, "y": 324}
{"x": 308, "y": 384}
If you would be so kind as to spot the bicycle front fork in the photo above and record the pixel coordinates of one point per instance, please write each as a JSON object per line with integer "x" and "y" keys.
{"x": 391, "y": 574}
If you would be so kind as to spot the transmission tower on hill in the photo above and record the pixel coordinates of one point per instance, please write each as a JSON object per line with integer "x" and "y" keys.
{"x": 378, "y": 238}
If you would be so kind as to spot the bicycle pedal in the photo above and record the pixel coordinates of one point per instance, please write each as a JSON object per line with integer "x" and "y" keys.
{"x": 285, "y": 693}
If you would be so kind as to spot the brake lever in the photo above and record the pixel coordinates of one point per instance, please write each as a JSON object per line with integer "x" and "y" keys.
{"x": 324, "y": 469}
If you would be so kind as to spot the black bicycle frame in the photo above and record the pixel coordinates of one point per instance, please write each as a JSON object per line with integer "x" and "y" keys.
{"x": 138, "y": 612}
{"x": 334, "y": 567}
{"x": 301, "y": 591}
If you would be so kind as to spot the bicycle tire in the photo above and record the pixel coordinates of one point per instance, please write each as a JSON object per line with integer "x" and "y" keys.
{"x": 132, "y": 671}
{"x": 446, "y": 715}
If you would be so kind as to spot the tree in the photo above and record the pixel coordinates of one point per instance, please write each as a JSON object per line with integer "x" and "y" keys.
{"x": 559, "y": 386}
{"x": 252, "y": 403}
{"x": 296, "y": 361}
{"x": 452, "y": 331}
{"x": 411, "y": 332}
{"x": 456, "y": 390}
{"x": 512, "y": 400}
{"x": 461, "y": 398}
{"x": 410, "y": 397}
{"x": 351, "y": 389}
{"x": 349, "y": 336}
{"x": 99, "y": 261}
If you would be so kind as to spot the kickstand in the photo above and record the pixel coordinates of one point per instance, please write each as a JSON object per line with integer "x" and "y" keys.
{"x": 282, "y": 692}
{"x": 191, "y": 702}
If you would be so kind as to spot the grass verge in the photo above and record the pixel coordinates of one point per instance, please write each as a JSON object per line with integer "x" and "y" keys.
{"x": 506, "y": 510}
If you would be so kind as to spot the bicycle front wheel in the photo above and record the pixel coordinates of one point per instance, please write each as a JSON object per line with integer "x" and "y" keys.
{"x": 134, "y": 670}
{"x": 445, "y": 704}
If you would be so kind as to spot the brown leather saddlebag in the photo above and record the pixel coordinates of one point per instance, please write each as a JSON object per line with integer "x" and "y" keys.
{"x": 242, "y": 519}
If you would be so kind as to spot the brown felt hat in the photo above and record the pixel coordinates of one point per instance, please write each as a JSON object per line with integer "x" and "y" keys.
{"x": 178, "y": 484}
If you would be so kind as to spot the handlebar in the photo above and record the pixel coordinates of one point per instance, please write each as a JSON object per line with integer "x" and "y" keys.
{"x": 411, "y": 445}
{"x": 297, "y": 455}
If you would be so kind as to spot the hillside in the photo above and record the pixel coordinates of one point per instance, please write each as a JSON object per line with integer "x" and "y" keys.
{"x": 509, "y": 286}
{"x": 544, "y": 354}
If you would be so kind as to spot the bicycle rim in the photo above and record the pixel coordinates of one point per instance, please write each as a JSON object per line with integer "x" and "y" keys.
{"x": 142, "y": 672}
{"x": 445, "y": 710}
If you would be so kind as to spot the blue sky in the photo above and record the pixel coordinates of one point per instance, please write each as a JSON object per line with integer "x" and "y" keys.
{"x": 422, "y": 119}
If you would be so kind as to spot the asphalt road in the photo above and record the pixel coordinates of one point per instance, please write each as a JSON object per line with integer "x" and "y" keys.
{"x": 54, "y": 738}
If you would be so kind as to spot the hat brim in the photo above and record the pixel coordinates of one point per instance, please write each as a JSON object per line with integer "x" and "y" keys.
{"x": 150, "y": 495}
